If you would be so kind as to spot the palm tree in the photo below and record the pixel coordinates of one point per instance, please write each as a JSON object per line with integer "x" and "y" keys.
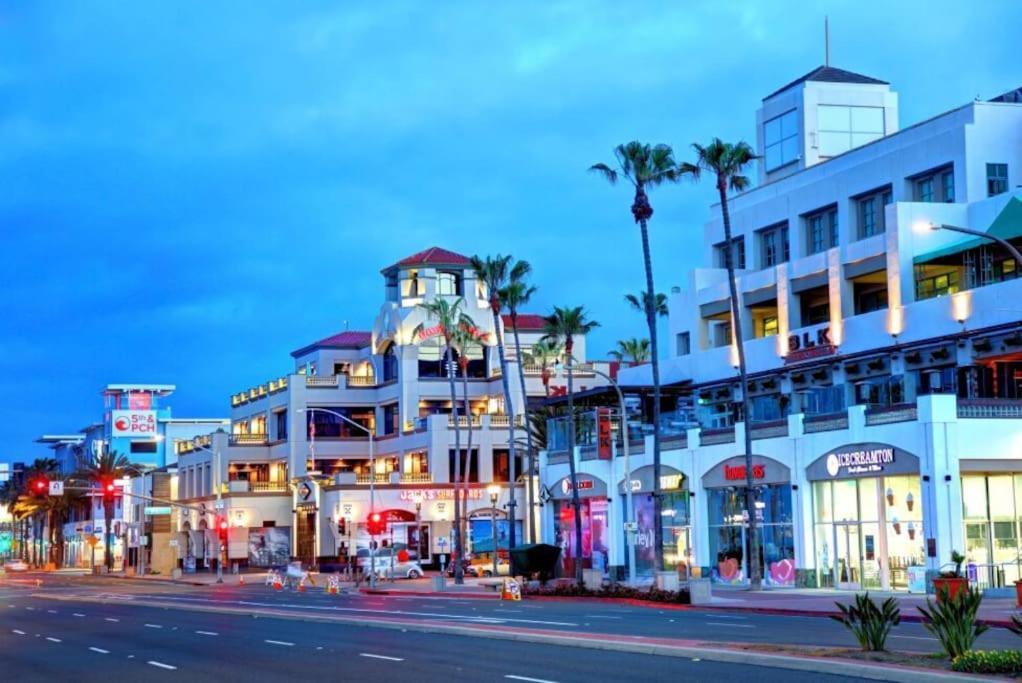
{"x": 464, "y": 341}
{"x": 102, "y": 469}
{"x": 646, "y": 166}
{"x": 726, "y": 163}
{"x": 449, "y": 316}
{"x": 634, "y": 351}
{"x": 659, "y": 305}
{"x": 40, "y": 506}
{"x": 544, "y": 353}
{"x": 496, "y": 273}
{"x": 566, "y": 324}
{"x": 514, "y": 296}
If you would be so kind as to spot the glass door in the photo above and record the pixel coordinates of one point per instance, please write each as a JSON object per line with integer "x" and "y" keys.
{"x": 848, "y": 555}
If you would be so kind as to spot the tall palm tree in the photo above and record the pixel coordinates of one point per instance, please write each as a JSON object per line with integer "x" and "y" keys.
{"x": 514, "y": 296}
{"x": 102, "y": 469}
{"x": 464, "y": 341}
{"x": 45, "y": 468}
{"x": 634, "y": 351}
{"x": 449, "y": 316}
{"x": 647, "y": 166}
{"x": 659, "y": 304}
{"x": 726, "y": 164}
{"x": 566, "y": 324}
{"x": 545, "y": 353}
{"x": 496, "y": 273}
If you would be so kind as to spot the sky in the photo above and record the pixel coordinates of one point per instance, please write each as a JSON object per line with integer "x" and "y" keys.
{"x": 191, "y": 190}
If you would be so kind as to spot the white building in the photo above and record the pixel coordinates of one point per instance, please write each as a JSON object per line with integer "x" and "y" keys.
{"x": 884, "y": 357}
{"x": 295, "y": 477}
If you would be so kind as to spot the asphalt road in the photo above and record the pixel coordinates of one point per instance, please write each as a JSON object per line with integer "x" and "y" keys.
{"x": 72, "y": 639}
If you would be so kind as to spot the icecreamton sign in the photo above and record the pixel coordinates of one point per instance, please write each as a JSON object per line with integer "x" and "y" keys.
{"x": 133, "y": 423}
{"x": 862, "y": 460}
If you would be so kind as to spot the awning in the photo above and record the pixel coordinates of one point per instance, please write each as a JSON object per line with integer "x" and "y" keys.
{"x": 1007, "y": 226}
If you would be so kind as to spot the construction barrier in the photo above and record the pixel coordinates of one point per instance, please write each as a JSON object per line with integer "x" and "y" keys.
{"x": 511, "y": 590}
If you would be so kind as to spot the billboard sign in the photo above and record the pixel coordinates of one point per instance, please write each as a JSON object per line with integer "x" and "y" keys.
{"x": 133, "y": 423}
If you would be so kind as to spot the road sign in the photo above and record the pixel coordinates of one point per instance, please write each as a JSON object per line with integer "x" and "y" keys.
{"x": 156, "y": 510}
{"x": 220, "y": 504}
{"x": 56, "y": 487}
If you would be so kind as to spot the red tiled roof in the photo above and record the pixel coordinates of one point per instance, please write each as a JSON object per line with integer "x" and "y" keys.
{"x": 434, "y": 256}
{"x": 349, "y": 339}
{"x": 527, "y": 322}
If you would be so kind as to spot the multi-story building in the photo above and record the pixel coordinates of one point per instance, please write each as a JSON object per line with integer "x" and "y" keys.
{"x": 362, "y": 421}
{"x": 884, "y": 356}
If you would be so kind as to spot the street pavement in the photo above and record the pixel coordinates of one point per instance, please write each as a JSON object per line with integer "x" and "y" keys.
{"x": 252, "y": 631}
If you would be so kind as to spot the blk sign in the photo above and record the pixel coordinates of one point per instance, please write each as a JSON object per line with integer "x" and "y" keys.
{"x": 809, "y": 345}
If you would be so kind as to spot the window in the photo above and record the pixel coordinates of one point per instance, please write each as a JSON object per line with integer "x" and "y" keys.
{"x": 448, "y": 283}
{"x": 780, "y": 140}
{"x": 342, "y": 368}
{"x": 997, "y": 179}
{"x": 390, "y": 364}
{"x": 937, "y": 185}
{"x": 936, "y": 285}
{"x": 416, "y": 462}
{"x": 682, "y": 344}
{"x": 842, "y": 128}
{"x": 821, "y": 230}
{"x": 871, "y": 212}
{"x": 281, "y": 418}
{"x": 472, "y": 474}
{"x": 773, "y": 243}
{"x": 390, "y": 418}
{"x": 502, "y": 464}
{"x": 737, "y": 253}
{"x": 143, "y": 447}
{"x": 769, "y": 326}
{"x": 721, "y": 333}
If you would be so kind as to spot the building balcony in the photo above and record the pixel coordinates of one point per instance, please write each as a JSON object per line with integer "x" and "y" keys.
{"x": 245, "y": 486}
{"x": 994, "y": 408}
{"x": 256, "y": 393}
{"x": 899, "y": 412}
{"x": 394, "y": 478}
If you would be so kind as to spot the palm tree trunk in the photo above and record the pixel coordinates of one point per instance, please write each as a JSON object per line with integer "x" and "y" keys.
{"x": 108, "y": 530}
{"x": 755, "y": 573}
{"x": 459, "y": 575}
{"x": 468, "y": 448}
{"x": 650, "y": 305}
{"x": 509, "y": 408}
{"x": 575, "y": 502}
{"x": 530, "y": 494}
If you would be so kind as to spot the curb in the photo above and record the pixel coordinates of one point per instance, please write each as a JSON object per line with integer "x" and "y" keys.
{"x": 780, "y": 611}
{"x": 430, "y": 594}
{"x": 660, "y": 647}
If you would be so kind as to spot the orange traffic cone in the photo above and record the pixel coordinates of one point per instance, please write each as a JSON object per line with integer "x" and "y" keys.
{"x": 301, "y": 586}
{"x": 241, "y": 580}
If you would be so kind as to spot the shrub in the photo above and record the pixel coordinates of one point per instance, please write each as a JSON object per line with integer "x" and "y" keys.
{"x": 992, "y": 662}
{"x": 953, "y": 621}
{"x": 869, "y": 623}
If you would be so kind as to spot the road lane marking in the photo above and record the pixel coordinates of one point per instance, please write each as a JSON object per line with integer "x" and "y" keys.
{"x": 161, "y": 665}
{"x": 526, "y": 678}
{"x": 372, "y": 656}
{"x": 30, "y": 609}
{"x": 53, "y": 640}
{"x": 100, "y": 650}
{"x": 153, "y": 626}
{"x": 279, "y": 642}
{"x": 207, "y": 633}
{"x": 728, "y": 625}
{"x": 112, "y": 619}
{"x": 77, "y": 614}
{"x": 727, "y": 616}
{"x": 52, "y": 611}
{"x": 599, "y": 616}
{"x": 20, "y": 633}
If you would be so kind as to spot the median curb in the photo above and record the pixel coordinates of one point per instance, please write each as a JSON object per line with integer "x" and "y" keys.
{"x": 699, "y": 650}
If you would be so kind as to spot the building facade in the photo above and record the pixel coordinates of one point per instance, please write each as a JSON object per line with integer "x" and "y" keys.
{"x": 883, "y": 356}
{"x": 362, "y": 422}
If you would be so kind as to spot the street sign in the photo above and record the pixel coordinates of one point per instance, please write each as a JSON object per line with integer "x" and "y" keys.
{"x": 156, "y": 510}
{"x": 220, "y": 504}
{"x": 56, "y": 487}
{"x": 631, "y": 527}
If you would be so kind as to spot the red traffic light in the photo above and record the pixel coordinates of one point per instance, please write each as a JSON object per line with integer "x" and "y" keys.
{"x": 375, "y": 524}
{"x": 223, "y": 525}
{"x": 42, "y": 485}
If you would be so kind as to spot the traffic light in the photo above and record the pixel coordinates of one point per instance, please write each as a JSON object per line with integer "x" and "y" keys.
{"x": 109, "y": 489}
{"x": 222, "y": 528}
{"x": 342, "y": 526}
{"x": 40, "y": 486}
{"x": 375, "y": 524}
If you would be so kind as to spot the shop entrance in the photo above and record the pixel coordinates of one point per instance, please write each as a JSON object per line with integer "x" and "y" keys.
{"x": 305, "y": 526}
{"x": 849, "y": 555}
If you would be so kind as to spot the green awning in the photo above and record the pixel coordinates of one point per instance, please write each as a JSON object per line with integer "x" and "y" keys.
{"x": 1007, "y": 226}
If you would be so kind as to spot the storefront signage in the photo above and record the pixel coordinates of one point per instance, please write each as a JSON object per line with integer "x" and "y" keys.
{"x": 642, "y": 479}
{"x": 809, "y": 345}
{"x": 862, "y": 460}
{"x": 588, "y": 487}
{"x": 133, "y": 423}
{"x": 731, "y": 472}
{"x": 583, "y": 485}
{"x": 437, "y": 494}
{"x": 603, "y": 437}
{"x": 437, "y": 330}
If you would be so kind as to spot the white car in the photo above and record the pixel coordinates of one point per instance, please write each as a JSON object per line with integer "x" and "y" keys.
{"x": 409, "y": 569}
{"x": 16, "y": 566}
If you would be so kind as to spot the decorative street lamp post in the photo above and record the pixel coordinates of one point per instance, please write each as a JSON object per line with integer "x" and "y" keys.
{"x": 494, "y": 491}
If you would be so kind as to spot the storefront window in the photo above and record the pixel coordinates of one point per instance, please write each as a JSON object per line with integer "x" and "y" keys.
{"x": 991, "y": 509}
{"x": 594, "y": 534}
{"x": 674, "y": 520}
{"x": 729, "y": 540}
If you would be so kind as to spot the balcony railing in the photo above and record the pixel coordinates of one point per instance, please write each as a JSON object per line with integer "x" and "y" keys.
{"x": 314, "y": 381}
{"x": 417, "y": 478}
{"x": 900, "y": 412}
{"x": 463, "y": 421}
{"x": 248, "y": 439}
{"x": 267, "y": 486}
{"x": 366, "y": 478}
{"x": 256, "y": 393}
{"x": 989, "y": 408}
{"x": 825, "y": 422}
{"x": 769, "y": 430}
{"x": 361, "y": 381}
{"x": 504, "y": 421}
{"x": 712, "y": 437}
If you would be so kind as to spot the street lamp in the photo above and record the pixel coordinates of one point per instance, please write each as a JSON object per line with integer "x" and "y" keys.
{"x": 979, "y": 233}
{"x": 494, "y": 491}
{"x": 417, "y": 499}
{"x": 629, "y": 507}
{"x": 219, "y": 505}
{"x": 372, "y": 479}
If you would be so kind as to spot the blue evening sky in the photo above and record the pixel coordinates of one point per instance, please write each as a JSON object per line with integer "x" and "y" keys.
{"x": 191, "y": 190}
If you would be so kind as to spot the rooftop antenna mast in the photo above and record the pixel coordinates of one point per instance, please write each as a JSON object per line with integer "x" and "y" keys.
{"x": 826, "y": 41}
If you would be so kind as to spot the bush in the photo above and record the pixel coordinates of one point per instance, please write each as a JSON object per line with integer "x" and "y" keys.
{"x": 992, "y": 662}
{"x": 653, "y": 594}
{"x": 953, "y": 621}
{"x": 869, "y": 623}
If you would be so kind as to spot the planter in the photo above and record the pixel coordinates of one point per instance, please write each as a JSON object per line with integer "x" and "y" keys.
{"x": 948, "y": 588}
{"x": 1018, "y": 593}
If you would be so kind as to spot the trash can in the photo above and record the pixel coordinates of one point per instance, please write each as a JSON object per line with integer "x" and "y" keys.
{"x": 699, "y": 591}
{"x": 667, "y": 581}
{"x": 439, "y": 583}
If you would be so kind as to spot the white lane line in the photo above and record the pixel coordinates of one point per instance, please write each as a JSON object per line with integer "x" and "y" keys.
{"x": 100, "y": 650}
{"x": 30, "y": 609}
{"x": 112, "y": 619}
{"x": 161, "y": 665}
{"x": 153, "y": 626}
{"x": 52, "y": 611}
{"x": 77, "y": 614}
{"x": 20, "y": 633}
{"x": 729, "y": 625}
{"x": 526, "y": 678}
{"x": 914, "y": 637}
{"x": 207, "y": 633}
{"x": 53, "y": 640}
{"x": 600, "y": 616}
{"x": 372, "y": 656}
{"x": 727, "y": 616}
{"x": 279, "y": 642}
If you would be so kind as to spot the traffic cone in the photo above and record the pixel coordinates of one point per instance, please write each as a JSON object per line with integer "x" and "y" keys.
{"x": 241, "y": 580}
{"x": 301, "y": 585}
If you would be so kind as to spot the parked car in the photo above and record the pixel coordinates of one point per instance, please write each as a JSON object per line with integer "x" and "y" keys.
{"x": 16, "y": 566}
{"x": 409, "y": 569}
{"x": 484, "y": 567}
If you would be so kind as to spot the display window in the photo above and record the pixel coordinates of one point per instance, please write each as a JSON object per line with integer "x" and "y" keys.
{"x": 729, "y": 534}
{"x": 992, "y": 515}
{"x": 594, "y": 551}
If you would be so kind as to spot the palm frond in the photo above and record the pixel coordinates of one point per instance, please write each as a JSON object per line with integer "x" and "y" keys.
{"x": 606, "y": 171}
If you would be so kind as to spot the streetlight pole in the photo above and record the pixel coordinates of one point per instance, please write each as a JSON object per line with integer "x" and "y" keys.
{"x": 219, "y": 507}
{"x": 494, "y": 491}
{"x": 985, "y": 235}
{"x": 372, "y": 481}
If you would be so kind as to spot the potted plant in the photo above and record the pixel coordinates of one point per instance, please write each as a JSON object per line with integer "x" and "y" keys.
{"x": 951, "y": 581}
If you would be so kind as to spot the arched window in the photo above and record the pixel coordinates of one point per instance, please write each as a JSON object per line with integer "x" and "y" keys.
{"x": 390, "y": 364}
